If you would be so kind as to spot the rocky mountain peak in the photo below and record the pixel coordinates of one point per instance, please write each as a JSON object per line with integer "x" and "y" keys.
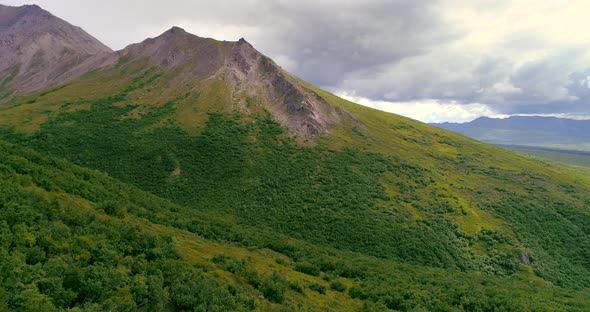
{"x": 176, "y": 30}
{"x": 39, "y": 50}
{"x": 247, "y": 72}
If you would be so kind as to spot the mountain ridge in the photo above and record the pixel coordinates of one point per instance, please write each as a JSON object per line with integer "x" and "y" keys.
{"x": 552, "y": 132}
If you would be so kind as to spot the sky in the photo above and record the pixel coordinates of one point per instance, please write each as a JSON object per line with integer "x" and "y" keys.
{"x": 451, "y": 60}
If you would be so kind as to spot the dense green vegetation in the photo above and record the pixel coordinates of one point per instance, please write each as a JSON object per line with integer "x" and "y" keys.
{"x": 74, "y": 238}
{"x": 250, "y": 219}
{"x": 316, "y": 194}
{"x": 59, "y": 252}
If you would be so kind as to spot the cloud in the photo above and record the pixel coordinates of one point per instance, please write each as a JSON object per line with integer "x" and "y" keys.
{"x": 349, "y": 38}
{"x": 513, "y": 57}
{"x": 430, "y": 111}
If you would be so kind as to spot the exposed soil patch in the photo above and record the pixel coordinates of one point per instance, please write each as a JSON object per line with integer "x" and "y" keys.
{"x": 176, "y": 172}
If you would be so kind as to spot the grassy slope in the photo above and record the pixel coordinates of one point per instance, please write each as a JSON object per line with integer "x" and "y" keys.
{"x": 391, "y": 187}
{"x": 515, "y": 195}
{"x": 54, "y": 211}
{"x": 44, "y": 197}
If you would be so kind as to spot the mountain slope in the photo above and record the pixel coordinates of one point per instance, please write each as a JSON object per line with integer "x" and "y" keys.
{"x": 245, "y": 80}
{"x": 72, "y": 237}
{"x": 382, "y": 185}
{"x": 75, "y": 238}
{"x": 405, "y": 215}
{"x": 527, "y": 130}
{"x": 39, "y": 50}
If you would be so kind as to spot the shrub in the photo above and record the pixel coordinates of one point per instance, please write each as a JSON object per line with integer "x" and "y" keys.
{"x": 252, "y": 278}
{"x": 219, "y": 259}
{"x": 307, "y": 268}
{"x": 357, "y": 292}
{"x": 236, "y": 266}
{"x": 296, "y": 286}
{"x": 338, "y": 286}
{"x": 273, "y": 288}
{"x": 318, "y": 287}
{"x": 112, "y": 209}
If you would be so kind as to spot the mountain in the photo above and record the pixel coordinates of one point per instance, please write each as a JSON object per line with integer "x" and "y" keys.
{"x": 527, "y": 131}
{"x": 212, "y": 179}
{"x": 254, "y": 81}
{"x": 39, "y": 50}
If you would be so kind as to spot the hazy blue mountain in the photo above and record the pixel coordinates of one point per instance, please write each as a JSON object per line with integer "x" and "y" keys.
{"x": 527, "y": 130}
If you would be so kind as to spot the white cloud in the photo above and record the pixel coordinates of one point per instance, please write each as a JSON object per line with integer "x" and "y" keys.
{"x": 505, "y": 87}
{"x": 429, "y": 111}
{"x": 286, "y": 62}
{"x": 437, "y": 111}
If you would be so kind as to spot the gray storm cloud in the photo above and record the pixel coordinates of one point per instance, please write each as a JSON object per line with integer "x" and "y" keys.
{"x": 384, "y": 50}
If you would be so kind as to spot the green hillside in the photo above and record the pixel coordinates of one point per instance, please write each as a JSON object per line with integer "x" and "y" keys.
{"x": 378, "y": 212}
{"x": 74, "y": 238}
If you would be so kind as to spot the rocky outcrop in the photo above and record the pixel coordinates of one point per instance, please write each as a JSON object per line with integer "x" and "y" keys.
{"x": 293, "y": 105}
{"x": 524, "y": 258}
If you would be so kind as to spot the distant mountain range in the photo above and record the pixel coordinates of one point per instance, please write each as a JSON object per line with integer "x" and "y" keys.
{"x": 527, "y": 131}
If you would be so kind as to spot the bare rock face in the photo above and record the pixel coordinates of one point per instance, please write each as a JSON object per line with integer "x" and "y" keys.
{"x": 39, "y": 50}
{"x": 296, "y": 107}
{"x": 524, "y": 258}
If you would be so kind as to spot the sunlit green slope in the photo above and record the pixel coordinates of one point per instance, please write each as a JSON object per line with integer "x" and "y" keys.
{"x": 374, "y": 186}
